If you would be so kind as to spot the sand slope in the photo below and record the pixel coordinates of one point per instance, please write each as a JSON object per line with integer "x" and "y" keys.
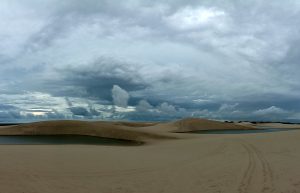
{"x": 194, "y": 124}
{"x": 241, "y": 163}
{"x": 118, "y": 130}
{"x": 144, "y": 132}
{"x": 251, "y": 163}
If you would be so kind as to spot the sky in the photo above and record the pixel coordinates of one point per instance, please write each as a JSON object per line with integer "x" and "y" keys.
{"x": 149, "y": 60}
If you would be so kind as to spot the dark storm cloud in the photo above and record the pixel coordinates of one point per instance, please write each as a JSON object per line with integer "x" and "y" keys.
{"x": 7, "y": 107}
{"x": 9, "y": 113}
{"x": 86, "y": 112}
{"x": 185, "y": 58}
{"x": 8, "y": 116}
{"x": 97, "y": 79}
{"x": 81, "y": 111}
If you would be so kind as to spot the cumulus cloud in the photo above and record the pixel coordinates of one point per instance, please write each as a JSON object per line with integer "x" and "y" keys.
{"x": 144, "y": 106}
{"x": 273, "y": 113}
{"x": 94, "y": 79}
{"x": 84, "y": 111}
{"x": 93, "y": 111}
{"x": 273, "y": 110}
{"x": 167, "y": 108}
{"x": 120, "y": 96}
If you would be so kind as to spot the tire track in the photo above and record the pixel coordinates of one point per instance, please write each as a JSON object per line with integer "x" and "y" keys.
{"x": 268, "y": 177}
{"x": 249, "y": 173}
{"x": 257, "y": 164}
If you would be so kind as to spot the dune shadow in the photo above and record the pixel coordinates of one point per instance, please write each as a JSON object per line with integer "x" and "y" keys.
{"x": 64, "y": 140}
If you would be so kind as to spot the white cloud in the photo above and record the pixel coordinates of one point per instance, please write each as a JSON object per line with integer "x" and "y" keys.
{"x": 167, "y": 108}
{"x": 120, "y": 96}
{"x": 144, "y": 106}
{"x": 190, "y": 18}
{"x": 273, "y": 110}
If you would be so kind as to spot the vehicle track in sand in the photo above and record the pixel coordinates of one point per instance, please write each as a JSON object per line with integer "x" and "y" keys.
{"x": 258, "y": 168}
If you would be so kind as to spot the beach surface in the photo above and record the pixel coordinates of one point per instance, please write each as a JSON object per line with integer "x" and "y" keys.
{"x": 168, "y": 161}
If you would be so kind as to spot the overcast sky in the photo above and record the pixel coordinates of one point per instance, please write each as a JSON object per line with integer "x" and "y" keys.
{"x": 149, "y": 60}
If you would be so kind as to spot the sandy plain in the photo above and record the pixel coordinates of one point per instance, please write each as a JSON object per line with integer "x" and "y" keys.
{"x": 167, "y": 162}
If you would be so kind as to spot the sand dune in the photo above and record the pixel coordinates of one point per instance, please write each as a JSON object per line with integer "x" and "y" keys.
{"x": 272, "y": 125}
{"x": 118, "y": 130}
{"x": 194, "y": 124}
{"x": 144, "y": 132}
{"x": 240, "y": 163}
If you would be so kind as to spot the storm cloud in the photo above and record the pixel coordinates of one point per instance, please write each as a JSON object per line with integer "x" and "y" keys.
{"x": 162, "y": 60}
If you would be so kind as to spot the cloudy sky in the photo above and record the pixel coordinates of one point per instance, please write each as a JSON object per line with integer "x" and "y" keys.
{"x": 149, "y": 60}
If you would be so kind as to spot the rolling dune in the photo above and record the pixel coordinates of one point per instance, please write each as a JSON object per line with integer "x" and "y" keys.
{"x": 169, "y": 162}
{"x": 119, "y": 130}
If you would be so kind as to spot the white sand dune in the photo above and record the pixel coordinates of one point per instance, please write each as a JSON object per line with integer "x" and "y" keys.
{"x": 120, "y": 130}
{"x": 117, "y": 130}
{"x": 239, "y": 163}
{"x": 194, "y": 124}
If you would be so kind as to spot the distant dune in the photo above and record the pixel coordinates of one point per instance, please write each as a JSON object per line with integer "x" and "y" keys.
{"x": 194, "y": 124}
{"x": 137, "y": 131}
{"x": 272, "y": 125}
